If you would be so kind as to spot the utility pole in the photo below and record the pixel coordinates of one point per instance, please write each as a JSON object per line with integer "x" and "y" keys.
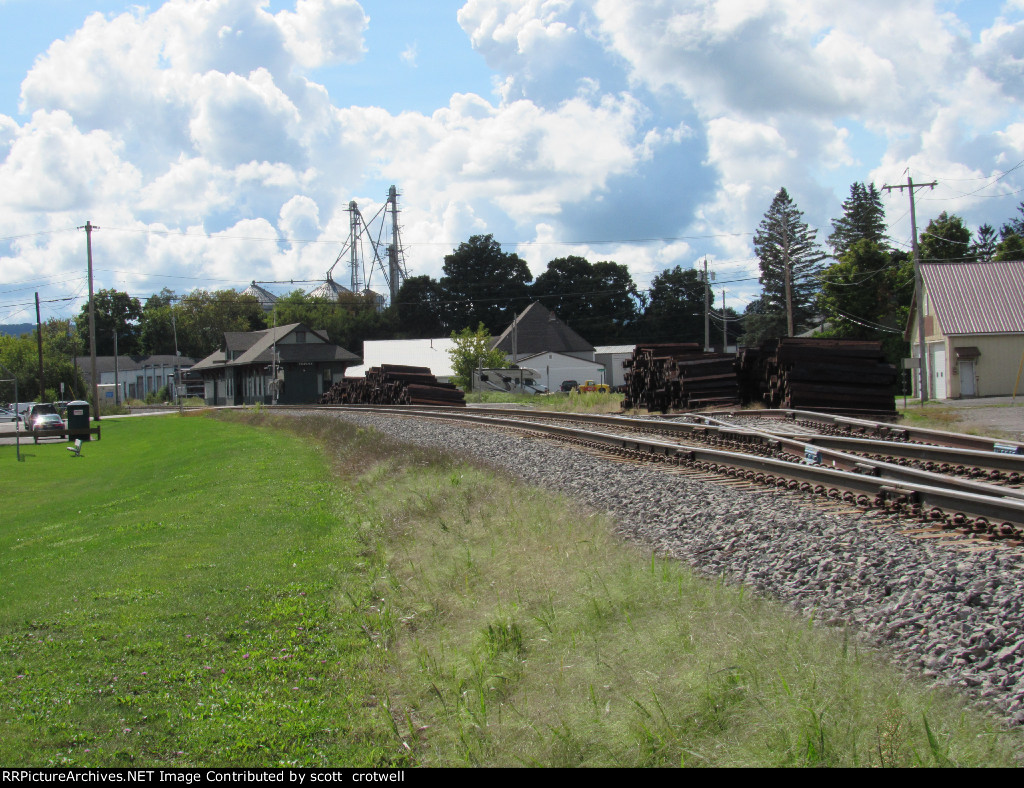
{"x": 707, "y": 307}
{"x": 39, "y": 342}
{"x": 790, "y": 330}
{"x": 89, "y": 227}
{"x": 918, "y": 286}
{"x": 177, "y": 355}
{"x": 394, "y": 265}
{"x": 725, "y": 326}
{"x": 117, "y": 378}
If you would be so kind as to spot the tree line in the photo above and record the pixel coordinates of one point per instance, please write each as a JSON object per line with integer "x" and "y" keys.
{"x": 862, "y": 289}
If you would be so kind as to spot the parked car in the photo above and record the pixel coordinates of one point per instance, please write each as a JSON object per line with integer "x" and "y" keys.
{"x": 568, "y": 385}
{"x": 42, "y": 417}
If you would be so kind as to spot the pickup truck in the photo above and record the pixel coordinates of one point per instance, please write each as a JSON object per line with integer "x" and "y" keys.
{"x": 589, "y": 385}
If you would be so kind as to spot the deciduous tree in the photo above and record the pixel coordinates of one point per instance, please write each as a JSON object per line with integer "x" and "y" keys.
{"x": 472, "y": 351}
{"x": 598, "y": 300}
{"x": 483, "y": 284}
{"x": 946, "y": 239}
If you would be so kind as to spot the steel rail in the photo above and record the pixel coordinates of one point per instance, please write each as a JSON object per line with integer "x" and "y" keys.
{"x": 839, "y": 449}
{"x": 904, "y": 432}
{"x": 962, "y": 498}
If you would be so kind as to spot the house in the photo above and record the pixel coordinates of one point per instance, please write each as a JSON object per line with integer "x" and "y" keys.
{"x": 538, "y": 330}
{"x": 286, "y": 365}
{"x": 553, "y": 368}
{"x": 973, "y": 328}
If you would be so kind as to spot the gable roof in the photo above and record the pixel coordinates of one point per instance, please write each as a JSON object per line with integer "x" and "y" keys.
{"x": 257, "y": 347}
{"x": 976, "y": 298}
{"x": 538, "y": 330}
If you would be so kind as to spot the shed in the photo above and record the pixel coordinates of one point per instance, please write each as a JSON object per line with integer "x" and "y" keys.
{"x": 973, "y": 328}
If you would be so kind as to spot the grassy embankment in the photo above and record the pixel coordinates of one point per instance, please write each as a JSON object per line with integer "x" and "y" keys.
{"x": 194, "y": 591}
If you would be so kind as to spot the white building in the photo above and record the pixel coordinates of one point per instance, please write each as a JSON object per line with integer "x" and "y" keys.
{"x": 429, "y": 353}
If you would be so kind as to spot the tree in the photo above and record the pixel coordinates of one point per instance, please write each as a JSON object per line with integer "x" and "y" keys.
{"x": 984, "y": 247}
{"x": 1014, "y": 226}
{"x": 790, "y": 260}
{"x": 472, "y": 351}
{"x": 115, "y": 311}
{"x": 675, "y": 307}
{"x": 157, "y": 325}
{"x": 599, "y": 300}
{"x": 762, "y": 321}
{"x": 420, "y": 307}
{"x": 20, "y": 355}
{"x": 347, "y": 320}
{"x": 483, "y": 284}
{"x": 946, "y": 239}
{"x": 1010, "y": 248}
{"x": 202, "y": 317}
{"x": 863, "y": 219}
{"x": 854, "y": 293}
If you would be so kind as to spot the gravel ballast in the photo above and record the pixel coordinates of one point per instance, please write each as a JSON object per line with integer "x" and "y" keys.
{"x": 955, "y": 615}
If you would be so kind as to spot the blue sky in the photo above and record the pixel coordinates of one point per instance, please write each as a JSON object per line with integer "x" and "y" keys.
{"x": 220, "y": 141}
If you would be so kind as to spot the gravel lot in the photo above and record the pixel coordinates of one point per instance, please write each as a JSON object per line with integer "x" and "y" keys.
{"x": 953, "y": 614}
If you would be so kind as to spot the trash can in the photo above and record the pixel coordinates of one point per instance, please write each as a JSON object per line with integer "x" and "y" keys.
{"x": 78, "y": 420}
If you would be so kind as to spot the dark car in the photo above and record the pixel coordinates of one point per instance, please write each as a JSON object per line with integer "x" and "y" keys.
{"x": 568, "y": 385}
{"x": 44, "y": 417}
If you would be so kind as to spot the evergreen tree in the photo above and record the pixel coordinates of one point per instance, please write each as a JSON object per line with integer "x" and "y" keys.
{"x": 863, "y": 219}
{"x": 1014, "y": 226}
{"x": 946, "y": 239}
{"x": 984, "y": 247}
{"x": 1010, "y": 248}
{"x": 790, "y": 261}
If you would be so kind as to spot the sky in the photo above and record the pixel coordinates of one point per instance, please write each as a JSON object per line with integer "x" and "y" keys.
{"x": 218, "y": 142}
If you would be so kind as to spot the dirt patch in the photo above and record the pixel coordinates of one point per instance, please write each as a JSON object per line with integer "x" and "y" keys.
{"x": 998, "y": 417}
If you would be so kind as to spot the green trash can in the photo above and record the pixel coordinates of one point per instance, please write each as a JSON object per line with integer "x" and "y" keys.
{"x": 78, "y": 420}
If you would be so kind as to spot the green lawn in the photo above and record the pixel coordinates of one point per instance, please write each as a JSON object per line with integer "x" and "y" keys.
{"x": 258, "y": 590}
{"x": 180, "y": 595}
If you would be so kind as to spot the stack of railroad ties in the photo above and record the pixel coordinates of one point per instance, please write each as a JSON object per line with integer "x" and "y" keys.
{"x": 393, "y": 384}
{"x": 679, "y": 376}
{"x": 793, "y": 372}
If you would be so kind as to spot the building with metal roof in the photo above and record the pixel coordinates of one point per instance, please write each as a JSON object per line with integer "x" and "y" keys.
{"x": 973, "y": 328}
{"x": 286, "y": 365}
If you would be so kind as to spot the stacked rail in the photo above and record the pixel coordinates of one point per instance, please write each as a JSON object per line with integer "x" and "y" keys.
{"x": 679, "y": 376}
{"x": 820, "y": 374}
{"x": 393, "y": 384}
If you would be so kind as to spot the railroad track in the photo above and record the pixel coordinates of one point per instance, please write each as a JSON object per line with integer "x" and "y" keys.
{"x": 859, "y": 471}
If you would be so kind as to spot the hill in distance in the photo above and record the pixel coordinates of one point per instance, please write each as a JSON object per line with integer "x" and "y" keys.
{"x": 17, "y": 329}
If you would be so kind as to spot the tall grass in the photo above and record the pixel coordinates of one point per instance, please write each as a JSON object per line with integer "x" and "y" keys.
{"x": 526, "y": 634}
